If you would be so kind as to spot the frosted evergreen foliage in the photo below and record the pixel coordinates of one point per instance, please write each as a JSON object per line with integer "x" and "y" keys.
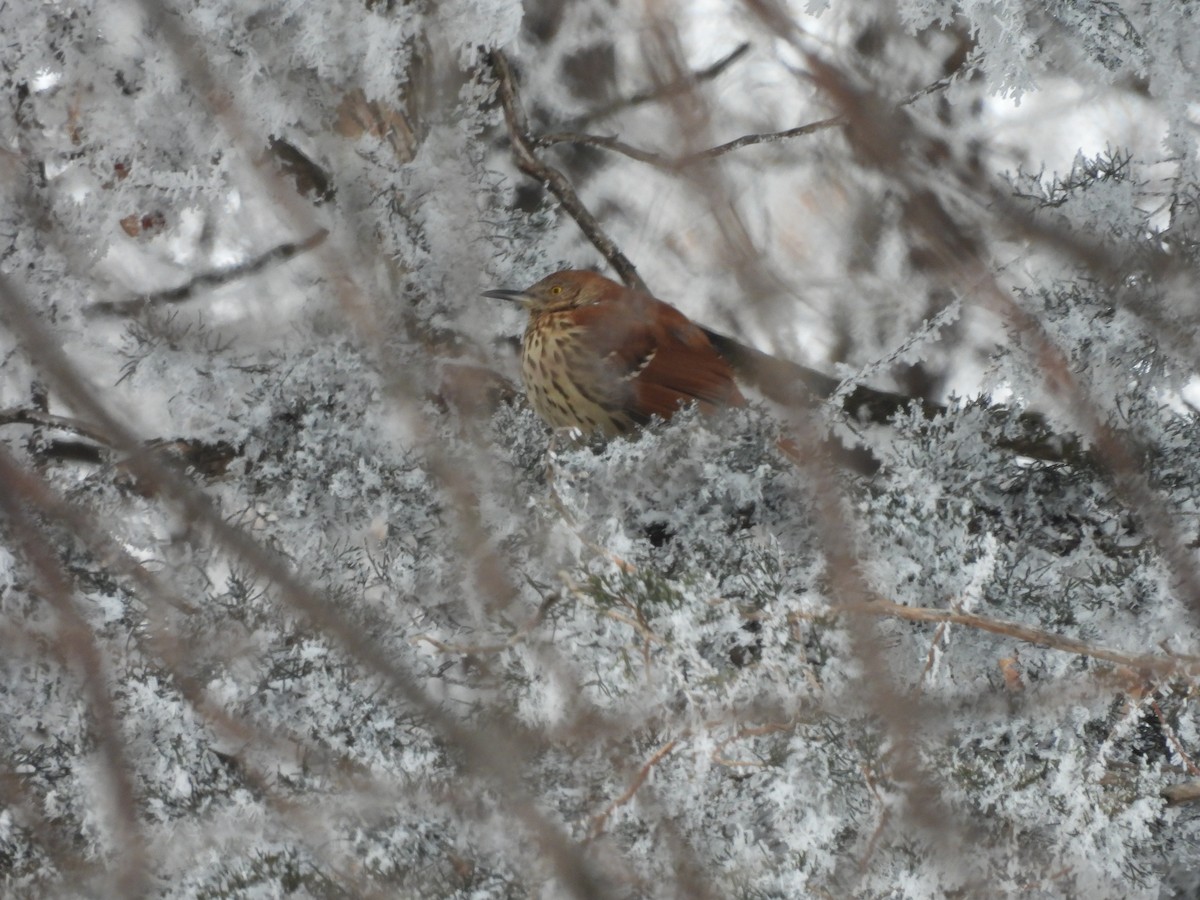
{"x": 299, "y": 597}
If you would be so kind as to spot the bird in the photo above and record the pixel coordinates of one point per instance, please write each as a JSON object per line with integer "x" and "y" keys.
{"x": 603, "y": 358}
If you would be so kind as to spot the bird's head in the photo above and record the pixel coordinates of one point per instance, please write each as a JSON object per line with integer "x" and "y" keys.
{"x": 569, "y": 289}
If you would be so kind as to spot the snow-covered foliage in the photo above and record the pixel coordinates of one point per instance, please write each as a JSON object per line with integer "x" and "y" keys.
{"x": 298, "y": 597}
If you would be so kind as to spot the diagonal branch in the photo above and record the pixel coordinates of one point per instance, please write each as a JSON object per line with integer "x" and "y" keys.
{"x": 671, "y": 89}
{"x": 77, "y": 644}
{"x": 216, "y": 278}
{"x": 1159, "y": 665}
{"x": 523, "y": 144}
{"x": 600, "y": 820}
{"x": 26, "y": 415}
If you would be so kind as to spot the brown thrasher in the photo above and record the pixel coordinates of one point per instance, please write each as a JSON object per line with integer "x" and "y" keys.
{"x": 603, "y": 358}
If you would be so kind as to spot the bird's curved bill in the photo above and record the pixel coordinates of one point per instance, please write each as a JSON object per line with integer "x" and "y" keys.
{"x": 515, "y": 296}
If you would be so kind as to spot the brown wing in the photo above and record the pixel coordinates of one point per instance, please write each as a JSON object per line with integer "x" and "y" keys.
{"x": 664, "y": 358}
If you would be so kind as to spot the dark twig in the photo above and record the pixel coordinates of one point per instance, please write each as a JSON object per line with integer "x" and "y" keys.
{"x": 671, "y": 89}
{"x": 671, "y": 164}
{"x": 24, "y": 415}
{"x": 216, "y": 278}
{"x": 527, "y": 161}
{"x": 769, "y": 137}
{"x": 207, "y": 458}
{"x": 608, "y": 143}
{"x": 747, "y": 140}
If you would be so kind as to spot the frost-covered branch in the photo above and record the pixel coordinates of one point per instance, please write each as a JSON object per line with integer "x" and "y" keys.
{"x": 391, "y": 636}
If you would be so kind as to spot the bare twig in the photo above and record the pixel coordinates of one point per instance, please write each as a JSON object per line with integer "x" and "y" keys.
{"x": 528, "y": 162}
{"x": 668, "y": 163}
{"x": 717, "y": 754}
{"x": 658, "y": 160}
{"x": 24, "y": 415}
{"x": 674, "y": 163}
{"x": 188, "y": 290}
{"x": 601, "y": 819}
{"x": 671, "y": 89}
{"x": 1143, "y": 662}
{"x": 767, "y": 137}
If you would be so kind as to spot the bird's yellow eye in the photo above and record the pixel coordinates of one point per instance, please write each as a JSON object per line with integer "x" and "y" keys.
{"x": 557, "y": 289}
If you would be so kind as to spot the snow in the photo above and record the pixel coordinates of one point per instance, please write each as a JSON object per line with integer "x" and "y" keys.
{"x": 661, "y": 660}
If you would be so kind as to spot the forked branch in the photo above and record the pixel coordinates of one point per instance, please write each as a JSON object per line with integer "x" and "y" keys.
{"x": 527, "y": 160}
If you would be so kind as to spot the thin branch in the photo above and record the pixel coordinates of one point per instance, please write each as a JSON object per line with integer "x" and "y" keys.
{"x": 671, "y": 89}
{"x": 216, "y": 278}
{"x": 1145, "y": 662}
{"x": 25, "y": 415}
{"x": 601, "y": 819}
{"x": 932, "y": 88}
{"x": 675, "y": 163}
{"x": 649, "y": 157}
{"x": 667, "y": 163}
{"x": 768, "y": 137}
{"x": 528, "y": 162}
